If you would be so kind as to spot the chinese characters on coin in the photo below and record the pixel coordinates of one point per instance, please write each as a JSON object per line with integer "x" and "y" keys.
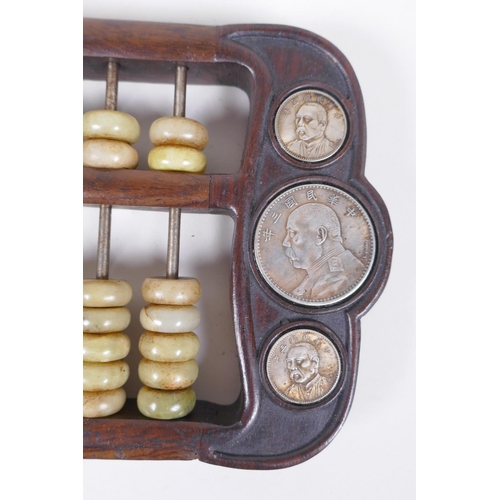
{"x": 303, "y": 366}
{"x": 310, "y": 125}
{"x": 314, "y": 245}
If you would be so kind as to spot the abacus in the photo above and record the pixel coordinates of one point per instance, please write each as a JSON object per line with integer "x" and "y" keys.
{"x": 311, "y": 251}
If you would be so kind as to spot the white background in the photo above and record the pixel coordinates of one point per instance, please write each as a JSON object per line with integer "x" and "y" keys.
{"x": 374, "y": 454}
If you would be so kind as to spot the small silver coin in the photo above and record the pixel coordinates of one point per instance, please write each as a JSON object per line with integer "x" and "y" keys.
{"x": 310, "y": 125}
{"x": 303, "y": 366}
{"x": 314, "y": 245}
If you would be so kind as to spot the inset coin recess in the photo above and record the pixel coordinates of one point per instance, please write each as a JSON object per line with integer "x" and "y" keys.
{"x": 303, "y": 366}
{"x": 310, "y": 125}
{"x": 314, "y": 245}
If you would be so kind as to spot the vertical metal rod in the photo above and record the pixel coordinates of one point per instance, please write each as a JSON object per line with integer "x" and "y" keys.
{"x": 103, "y": 242}
{"x": 174, "y": 223}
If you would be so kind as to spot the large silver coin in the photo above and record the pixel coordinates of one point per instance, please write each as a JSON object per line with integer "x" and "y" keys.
{"x": 314, "y": 245}
{"x": 310, "y": 125}
{"x": 303, "y": 366}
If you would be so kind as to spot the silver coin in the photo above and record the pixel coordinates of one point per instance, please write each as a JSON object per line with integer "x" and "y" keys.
{"x": 303, "y": 366}
{"x": 314, "y": 245}
{"x": 310, "y": 125}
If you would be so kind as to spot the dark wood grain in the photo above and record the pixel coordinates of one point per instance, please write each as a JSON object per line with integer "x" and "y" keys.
{"x": 259, "y": 431}
{"x": 146, "y": 189}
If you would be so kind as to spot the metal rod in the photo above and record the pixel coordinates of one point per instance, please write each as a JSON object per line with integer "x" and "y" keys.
{"x": 103, "y": 242}
{"x": 112, "y": 85}
{"x": 174, "y": 223}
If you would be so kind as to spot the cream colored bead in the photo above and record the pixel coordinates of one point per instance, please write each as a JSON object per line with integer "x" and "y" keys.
{"x": 169, "y": 319}
{"x": 106, "y": 293}
{"x": 104, "y": 376}
{"x": 105, "y": 347}
{"x": 175, "y": 292}
{"x": 172, "y": 347}
{"x": 180, "y": 131}
{"x": 105, "y": 319}
{"x": 169, "y": 376}
{"x": 105, "y": 153}
{"x": 103, "y": 403}
{"x": 165, "y": 405}
{"x": 108, "y": 124}
{"x": 177, "y": 159}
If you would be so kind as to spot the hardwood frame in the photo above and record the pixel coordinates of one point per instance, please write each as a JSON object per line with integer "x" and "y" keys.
{"x": 258, "y": 431}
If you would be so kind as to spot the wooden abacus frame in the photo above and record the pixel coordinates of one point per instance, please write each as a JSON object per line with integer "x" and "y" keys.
{"x": 268, "y": 62}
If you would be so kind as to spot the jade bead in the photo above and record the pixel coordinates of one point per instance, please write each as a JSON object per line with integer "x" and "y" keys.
{"x": 169, "y": 376}
{"x": 105, "y": 347}
{"x": 169, "y": 319}
{"x": 173, "y": 347}
{"x": 106, "y": 153}
{"x": 177, "y": 292}
{"x": 104, "y": 376}
{"x": 106, "y": 293}
{"x": 109, "y": 124}
{"x": 98, "y": 404}
{"x": 165, "y": 405}
{"x": 177, "y": 159}
{"x": 105, "y": 319}
{"x": 180, "y": 131}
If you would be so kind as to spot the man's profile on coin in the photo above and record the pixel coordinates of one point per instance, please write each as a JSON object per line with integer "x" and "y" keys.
{"x": 311, "y": 121}
{"x": 302, "y": 363}
{"x": 313, "y": 242}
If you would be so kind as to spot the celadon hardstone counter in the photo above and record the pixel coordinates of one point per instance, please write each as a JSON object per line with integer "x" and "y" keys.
{"x": 171, "y": 347}
{"x": 165, "y": 405}
{"x": 169, "y": 319}
{"x": 105, "y": 319}
{"x": 110, "y": 124}
{"x": 179, "y": 292}
{"x": 104, "y": 347}
{"x": 168, "y": 376}
{"x": 106, "y": 293}
{"x": 104, "y": 376}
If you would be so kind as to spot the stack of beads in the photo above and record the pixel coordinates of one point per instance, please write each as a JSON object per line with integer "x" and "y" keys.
{"x": 108, "y": 135}
{"x": 178, "y": 145}
{"x": 105, "y": 345}
{"x": 169, "y": 346}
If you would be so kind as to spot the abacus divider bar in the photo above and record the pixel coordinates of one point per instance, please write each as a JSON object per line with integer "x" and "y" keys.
{"x": 103, "y": 242}
{"x": 174, "y": 223}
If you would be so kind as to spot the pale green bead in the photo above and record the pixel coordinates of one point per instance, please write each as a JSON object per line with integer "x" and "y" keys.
{"x": 108, "y": 124}
{"x": 105, "y": 153}
{"x": 105, "y": 347}
{"x": 180, "y": 131}
{"x": 98, "y": 404}
{"x": 165, "y": 405}
{"x": 172, "y": 347}
{"x": 176, "y": 292}
{"x": 169, "y": 319}
{"x": 104, "y": 376}
{"x": 105, "y": 319}
{"x": 169, "y": 376}
{"x": 177, "y": 159}
{"x": 106, "y": 293}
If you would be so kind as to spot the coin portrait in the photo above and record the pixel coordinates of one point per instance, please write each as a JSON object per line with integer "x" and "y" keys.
{"x": 303, "y": 366}
{"x": 314, "y": 244}
{"x": 310, "y": 125}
